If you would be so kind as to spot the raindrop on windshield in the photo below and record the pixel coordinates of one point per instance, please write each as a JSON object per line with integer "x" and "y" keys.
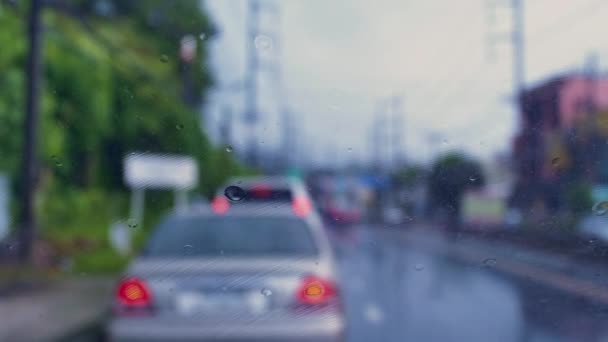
{"x": 228, "y": 148}
{"x": 234, "y": 193}
{"x": 489, "y": 262}
{"x": 164, "y": 58}
{"x": 350, "y": 149}
{"x": 555, "y": 161}
{"x": 202, "y": 36}
{"x": 179, "y": 127}
{"x": 266, "y": 292}
{"x": 132, "y": 223}
{"x": 187, "y": 249}
{"x": 472, "y": 178}
{"x": 600, "y": 208}
{"x": 263, "y": 42}
{"x": 419, "y": 267}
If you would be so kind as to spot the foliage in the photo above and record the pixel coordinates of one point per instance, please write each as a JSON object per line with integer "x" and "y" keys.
{"x": 578, "y": 197}
{"x": 410, "y": 176}
{"x": 106, "y": 92}
{"x": 450, "y": 176}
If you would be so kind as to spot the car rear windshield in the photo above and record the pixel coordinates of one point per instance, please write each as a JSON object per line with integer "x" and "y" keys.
{"x": 262, "y": 194}
{"x": 231, "y": 236}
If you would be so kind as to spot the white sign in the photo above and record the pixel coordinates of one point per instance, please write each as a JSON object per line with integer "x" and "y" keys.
{"x": 160, "y": 171}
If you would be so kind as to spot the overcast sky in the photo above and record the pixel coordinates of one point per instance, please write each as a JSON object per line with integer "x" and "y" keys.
{"x": 338, "y": 58}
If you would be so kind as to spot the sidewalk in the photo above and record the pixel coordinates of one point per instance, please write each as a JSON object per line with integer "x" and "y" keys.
{"x": 56, "y": 311}
{"x": 559, "y": 270}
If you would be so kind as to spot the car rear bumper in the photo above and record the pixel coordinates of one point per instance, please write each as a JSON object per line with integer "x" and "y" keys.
{"x": 299, "y": 329}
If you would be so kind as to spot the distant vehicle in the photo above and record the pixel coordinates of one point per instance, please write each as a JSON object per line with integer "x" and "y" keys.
{"x": 276, "y": 189}
{"x": 338, "y": 199}
{"x": 341, "y": 215}
{"x": 265, "y": 192}
{"x": 341, "y": 209}
{"x": 236, "y": 273}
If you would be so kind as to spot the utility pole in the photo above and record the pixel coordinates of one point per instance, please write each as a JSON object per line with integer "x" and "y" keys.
{"x": 290, "y": 141}
{"x": 516, "y": 38}
{"x": 518, "y": 43}
{"x": 386, "y": 134}
{"x": 531, "y": 161}
{"x": 261, "y": 44}
{"x": 288, "y": 131}
{"x": 432, "y": 139}
{"x": 226, "y": 127}
{"x": 251, "y": 95}
{"x": 591, "y": 71}
{"x": 287, "y": 123}
{"x": 187, "y": 52}
{"x": 29, "y": 170}
{"x": 377, "y": 135}
{"x": 397, "y": 125}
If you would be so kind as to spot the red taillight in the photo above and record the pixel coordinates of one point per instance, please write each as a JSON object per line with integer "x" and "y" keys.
{"x": 301, "y": 206}
{"x": 220, "y": 205}
{"x": 315, "y": 291}
{"x": 133, "y": 292}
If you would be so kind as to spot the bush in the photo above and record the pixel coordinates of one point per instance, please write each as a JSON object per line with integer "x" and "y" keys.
{"x": 578, "y": 198}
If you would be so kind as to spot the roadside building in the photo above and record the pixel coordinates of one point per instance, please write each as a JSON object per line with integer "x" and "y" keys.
{"x": 559, "y": 140}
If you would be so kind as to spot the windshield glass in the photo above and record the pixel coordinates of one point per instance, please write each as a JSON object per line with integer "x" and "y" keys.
{"x": 451, "y": 156}
{"x": 232, "y": 237}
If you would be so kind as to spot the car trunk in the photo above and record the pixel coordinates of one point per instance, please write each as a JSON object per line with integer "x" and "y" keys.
{"x": 222, "y": 288}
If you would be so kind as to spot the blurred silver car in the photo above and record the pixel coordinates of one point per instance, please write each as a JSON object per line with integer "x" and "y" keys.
{"x": 243, "y": 274}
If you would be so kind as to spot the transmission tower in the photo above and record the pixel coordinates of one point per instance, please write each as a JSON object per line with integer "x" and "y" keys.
{"x": 261, "y": 44}
{"x": 514, "y": 37}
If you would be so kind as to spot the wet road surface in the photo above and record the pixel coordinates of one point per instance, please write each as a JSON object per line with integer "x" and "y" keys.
{"x": 401, "y": 285}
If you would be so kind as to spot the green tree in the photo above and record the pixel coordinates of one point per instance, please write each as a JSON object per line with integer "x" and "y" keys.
{"x": 450, "y": 177}
{"x": 579, "y": 199}
{"x": 113, "y": 84}
{"x": 410, "y": 176}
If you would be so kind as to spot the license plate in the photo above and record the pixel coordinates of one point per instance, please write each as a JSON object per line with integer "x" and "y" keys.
{"x": 191, "y": 303}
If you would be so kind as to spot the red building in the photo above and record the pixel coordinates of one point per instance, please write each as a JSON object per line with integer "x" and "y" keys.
{"x": 550, "y": 113}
